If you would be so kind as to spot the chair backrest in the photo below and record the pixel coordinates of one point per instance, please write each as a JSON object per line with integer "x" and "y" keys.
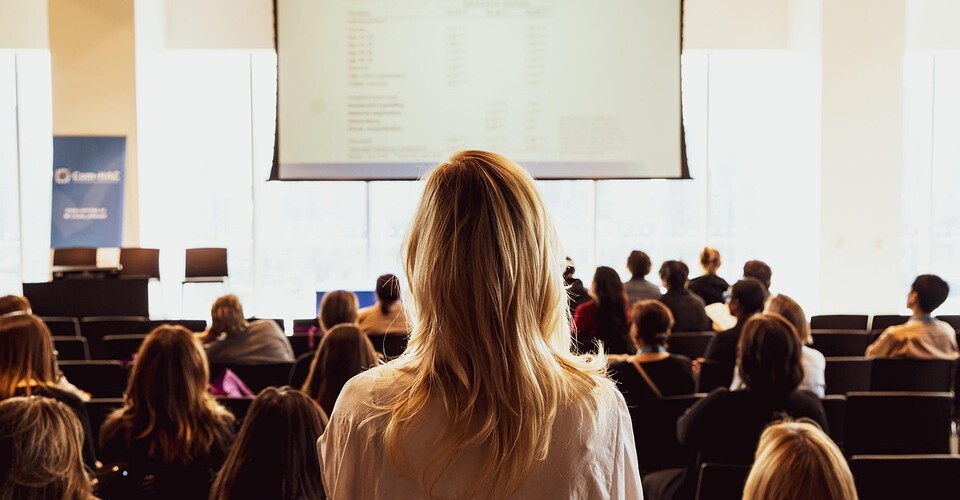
{"x": 143, "y": 262}
{"x": 94, "y": 329}
{"x": 883, "y": 321}
{"x": 847, "y": 374}
{"x": 98, "y": 409}
{"x": 691, "y": 345}
{"x": 390, "y": 345}
{"x": 301, "y": 369}
{"x": 655, "y": 431}
{"x": 879, "y": 477}
{"x": 722, "y": 481}
{"x": 122, "y": 347}
{"x": 205, "y": 263}
{"x": 930, "y": 375}
{"x": 839, "y": 322}
{"x": 304, "y": 343}
{"x": 237, "y": 406}
{"x": 75, "y": 256}
{"x": 257, "y": 376}
{"x": 194, "y": 325}
{"x": 102, "y": 379}
{"x": 304, "y": 325}
{"x": 835, "y": 405}
{"x": 897, "y": 423}
{"x": 71, "y": 348}
{"x": 62, "y": 326}
{"x": 713, "y": 375}
{"x": 841, "y": 343}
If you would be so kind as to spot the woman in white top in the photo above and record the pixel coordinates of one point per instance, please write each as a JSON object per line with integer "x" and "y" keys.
{"x": 488, "y": 400}
{"x": 386, "y": 316}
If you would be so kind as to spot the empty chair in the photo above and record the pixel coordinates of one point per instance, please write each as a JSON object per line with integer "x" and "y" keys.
{"x": 94, "y": 329}
{"x": 722, "y": 481}
{"x": 102, "y": 379}
{"x": 655, "y": 432}
{"x": 98, "y": 409}
{"x": 140, "y": 262}
{"x": 122, "y": 347}
{"x": 892, "y": 423}
{"x": 62, "y": 326}
{"x": 390, "y": 345}
{"x": 691, "y": 345}
{"x": 930, "y": 375}
{"x": 839, "y": 322}
{"x": 237, "y": 406}
{"x": 304, "y": 325}
{"x": 301, "y": 369}
{"x": 834, "y": 405}
{"x": 931, "y": 477}
{"x": 832, "y": 343}
{"x": 257, "y": 377}
{"x": 304, "y": 343}
{"x": 75, "y": 256}
{"x": 847, "y": 374}
{"x": 713, "y": 375}
{"x": 71, "y": 348}
{"x": 205, "y": 265}
{"x": 883, "y": 321}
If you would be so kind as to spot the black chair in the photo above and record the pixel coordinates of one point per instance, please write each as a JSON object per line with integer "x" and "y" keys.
{"x": 75, "y": 256}
{"x": 951, "y": 319}
{"x": 279, "y": 322}
{"x": 304, "y": 325}
{"x": 304, "y": 343}
{"x": 122, "y": 347}
{"x": 140, "y": 262}
{"x": 62, "y": 326}
{"x": 832, "y": 343}
{"x": 257, "y": 376}
{"x": 98, "y": 409}
{"x": 71, "y": 348}
{"x": 883, "y": 321}
{"x": 95, "y": 328}
{"x": 834, "y": 405}
{"x": 102, "y": 379}
{"x": 847, "y": 374}
{"x": 205, "y": 265}
{"x": 722, "y": 481}
{"x": 691, "y": 345}
{"x": 237, "y": 406}
{"x": 655, "y": 432}
{"x": 922, "y": 375}
{"x": 390, "y": 345}
{"x": 877, "y": 423}
{"x": 931, "y": 477}
{"x": 839, "y": 322}
{"x": 714, "y": 375}
{"x": 301, "y": 369}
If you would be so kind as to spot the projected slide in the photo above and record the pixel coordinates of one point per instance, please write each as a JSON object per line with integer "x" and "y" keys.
{"x": 384, "y": 89}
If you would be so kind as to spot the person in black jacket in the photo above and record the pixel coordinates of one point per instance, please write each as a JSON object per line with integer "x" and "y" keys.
{"x": 709, "y": 287}
{"x": 747, "y": 297}
{"x": 686, "y": 307}
{"x": 576, "y": 293}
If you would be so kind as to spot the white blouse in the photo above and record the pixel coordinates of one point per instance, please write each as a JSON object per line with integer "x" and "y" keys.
{"x": 814, "y": 368}
{"x": 588, "y": 459}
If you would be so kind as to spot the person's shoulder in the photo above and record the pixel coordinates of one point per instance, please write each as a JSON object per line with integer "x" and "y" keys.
{"x": 805, "y": 399}
{"x": 943, "y": 327}
{"x": 263, "y": 325}
{"x": 367, "y": 311}
{"x": 370, "y": 386}
{"x": 587, "y": 306}
{"x": 814, "y": 356}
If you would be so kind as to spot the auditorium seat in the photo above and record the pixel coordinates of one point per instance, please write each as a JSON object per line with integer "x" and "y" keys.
{"x": 256, "y": 376}
{"x": 75, "y": 256}
{"x": 839, "y": 322}
{"x": 390, "y": 345}
{"x": 102, "y": 379}
{"x": 722, "y": 481}
{"x": 301, "y": 369}
{"x": 923, "y": 375}
{"x": 304, "y": 325}
{"x": 655, "y": 432}
{"x": 237, "y": 406}
{"x": 930, "y": 477}
{"x": 834, "y": 343}
{"x": 98, "y": 409}
{"x": 881, "y": 322}
{"x": 713, "y": 375}
{"x": 834, "y": 405}
{"x": 303, "y": 343}
{"x": 94, "y": 329}
{"x": 71, "y": 348}
{"x": 847, "y": 374}
{"x": 140, "y": 262}
{"x": 122, "y": 347}
{"x": 62, "y": 326}
{"x": 897, "y": 423}
{"x": 692, "y": 345}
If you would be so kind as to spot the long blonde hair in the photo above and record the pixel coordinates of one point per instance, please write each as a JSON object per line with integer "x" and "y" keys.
{"x": 26, "y": 355}
{"x": 797, "y": 461}
{"x": 493, "y": 349}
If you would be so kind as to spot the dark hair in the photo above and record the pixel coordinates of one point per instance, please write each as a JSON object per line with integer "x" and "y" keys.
{"x": 652, "y": 321}
{"x": 274, "y": 455}
{"x": 675, "y": 274}
{"x": 338, "y": 306}
{"x": 226, "y": 316}
{"x": 569, "y": 269}
{"x": 770, "y": 355}
{"x": 14, "y": 303}
{"x": 931, "y": 291}
{"x": 758, "y": 270}
{"x": 343, "y": 353}
{"x": 388, "y": 291}
{"x": 639, "y": 263}
{"x": 611, "y": 303}
{"x": 750, "y": 296}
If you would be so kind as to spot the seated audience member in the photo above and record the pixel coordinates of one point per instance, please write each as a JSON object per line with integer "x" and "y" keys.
{"x": 171, "y": 434}
{"x": 686, "y": 307}
{"x": 746, "y": 299}
{"x": 725, "y": 426}
{"x": 231, "y": 339}
{"x": 40, "y": 458}
{"x": 604, "y": 317}
{"x": 343, "y": 352}
{"x": 28, "y": 368}
{"x": 488, "y": 401}
{"x": 652, "y": 372}
{"x": 576, "y": 293}
{"x": 760, "y": 271}
{"x": 10, "y": 304}
{"x": 798, "y": 461}
{"x": 337, "y": 307}
{"x": 923, "y": 337}
{"x": 274, "y": 455}
{"x": 387, "y": 315}
{"x": 638, "y": 288}
{"x": 709, "y": 287}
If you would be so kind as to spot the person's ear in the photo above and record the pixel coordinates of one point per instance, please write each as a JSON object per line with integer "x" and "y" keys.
{"x": 912, "y": 299}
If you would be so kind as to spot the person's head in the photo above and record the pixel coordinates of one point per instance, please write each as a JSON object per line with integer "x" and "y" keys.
{"x": 274, "y": 454}
{"x": 770, "y": 355}
{"x": 336, "y": 307}
{"x": 789, "y": 309}
{"x": 927, "y": 293}
{"x": 167, "y": 398}
{"x": 797, "y": 461}
{"x": 639, "y": 264}
{"x": 344, "y": 352}
{"x": 651, "y": 322}
{"x": 26, "y": 354}
{"x": 746, "y": 298}
{"x": 41, "y": 442}
{"x": 607, "y": 286}
{"x": 710, "y": 260}
{"x": 569, "y": 270}
{"x": 227, "y": 316}
{"x": 388, "y": 292}
{"x": 14, "y": 303}
{"x": 758, "y": 270}
{"x": 674, "y": 274}
{"x": 503, "y": 338}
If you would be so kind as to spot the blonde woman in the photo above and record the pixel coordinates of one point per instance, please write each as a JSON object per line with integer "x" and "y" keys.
{"x": 797, "y": 461}
{"x": 487, "y": 401}
{"x": 709, "y": 287}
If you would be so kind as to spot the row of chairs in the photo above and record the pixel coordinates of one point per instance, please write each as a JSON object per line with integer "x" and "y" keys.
{"x": 865, "y": 322}
{"x": 200, "y": 264}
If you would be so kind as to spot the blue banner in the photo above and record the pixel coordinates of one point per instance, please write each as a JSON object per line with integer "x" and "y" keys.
{"x": 87, "y": 191}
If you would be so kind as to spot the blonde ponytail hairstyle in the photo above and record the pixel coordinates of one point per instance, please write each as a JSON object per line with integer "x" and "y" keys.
{"x": 491, "y": 343}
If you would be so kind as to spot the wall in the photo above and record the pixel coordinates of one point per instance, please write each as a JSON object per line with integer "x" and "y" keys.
{"x": 23, "y": 24}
